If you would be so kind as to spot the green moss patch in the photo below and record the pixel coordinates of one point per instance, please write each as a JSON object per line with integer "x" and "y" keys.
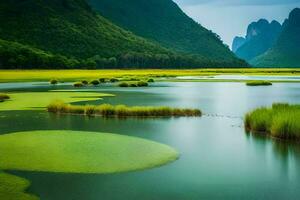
{"x": 40, "y": 100}
{"x": 13, "y": 188}
{"x": 80, "y": 152}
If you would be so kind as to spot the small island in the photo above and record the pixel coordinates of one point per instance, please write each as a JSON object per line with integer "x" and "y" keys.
{"x": 279, "y": 121}
{"x": 259, "y": 83}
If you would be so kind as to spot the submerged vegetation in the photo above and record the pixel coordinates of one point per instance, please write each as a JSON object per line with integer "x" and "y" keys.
{"x": 108, "y": 110}
{"x": 258, "y": 83}
{"x": 4, "y": 97}
{"x": 13, "y": 188}
{"x": 281, "y": 121}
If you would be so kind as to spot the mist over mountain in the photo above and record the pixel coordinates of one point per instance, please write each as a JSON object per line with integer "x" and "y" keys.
{"x": 286, "y": 50}
{"x": 261, "y": 36}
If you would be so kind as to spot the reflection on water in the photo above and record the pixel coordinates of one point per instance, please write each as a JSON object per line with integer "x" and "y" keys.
{"x": 218, "y": 160}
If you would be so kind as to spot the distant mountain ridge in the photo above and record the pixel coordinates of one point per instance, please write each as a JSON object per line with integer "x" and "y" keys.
{"x": 164, "y": 22}
{"x": 261, "y": 36}
{"x": 286, "y": 50}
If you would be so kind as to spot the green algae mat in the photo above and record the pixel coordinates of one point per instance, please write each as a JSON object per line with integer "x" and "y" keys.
{"x": 13, "y": 188}
{"x": 40, "y": 100}
{"x": 80, "y": 152}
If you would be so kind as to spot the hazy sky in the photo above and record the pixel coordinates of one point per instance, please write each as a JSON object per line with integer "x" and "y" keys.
{"x": 230, "y": 18}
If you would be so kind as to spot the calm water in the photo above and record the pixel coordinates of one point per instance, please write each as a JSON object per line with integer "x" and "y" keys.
{"x": 218, "y": 159}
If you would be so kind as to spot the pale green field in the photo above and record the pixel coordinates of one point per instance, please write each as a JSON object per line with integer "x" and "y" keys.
{"x": 77, "y": 75}
{"x": 40, "y": 100}
{"x": 80, "y": 152}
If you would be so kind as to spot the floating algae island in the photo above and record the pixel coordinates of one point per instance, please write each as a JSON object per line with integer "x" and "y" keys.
{"x": 108, "y": 110}
{"x": 280, "y": 121}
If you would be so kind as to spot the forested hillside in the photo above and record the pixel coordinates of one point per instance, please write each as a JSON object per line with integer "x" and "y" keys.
{"x": 163, "y": 21}
{"x": 69, "y": 32}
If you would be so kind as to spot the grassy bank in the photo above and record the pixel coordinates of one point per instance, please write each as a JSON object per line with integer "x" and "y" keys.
{"x": 108, "y": 110}
{"x": 259, "y": 83}
{"x": 281, "y": 121}
{"x": 40, "y": 100}
{"x": 80, "y": 152}
{"x": 78, "y": 75}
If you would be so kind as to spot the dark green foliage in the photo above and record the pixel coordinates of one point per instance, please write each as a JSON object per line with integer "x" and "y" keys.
{"x": 78, "y": 84}
{"x": 123, "y": 84}
{"x": 3, "y": 97}
{"x": 142, "y": 84}
{"x": 77, "y": 37}
{"x": 286, "y": 51}
{"x": 84, "y": 82}
{"x": 95, "y": 82}
{"x": 258, "y": 83}
{"x": 113, "y": 80}
{"x": 163, "y": 21}
{"x": 53, "y": 82}
{"x": 151, "y": 80}
{"x": 133, "y": 85}
{"x": 282, "y": 121}
{"x": 102, "y": 80}
{"x": 108, "y": 110}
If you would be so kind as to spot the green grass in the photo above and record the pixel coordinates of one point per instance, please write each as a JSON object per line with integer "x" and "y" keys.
{"x": 78, "y": 75}
{"x": 108, "y": 110}
{"x": 40, "y": 100}
{"x": 13, "y": 188}
{"x": 258, "y": 83}
{"x": 281, "y": 121}
{"x": 80, "y": 152}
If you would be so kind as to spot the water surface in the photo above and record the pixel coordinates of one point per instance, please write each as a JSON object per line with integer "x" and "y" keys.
{"x": 218, "y": 160}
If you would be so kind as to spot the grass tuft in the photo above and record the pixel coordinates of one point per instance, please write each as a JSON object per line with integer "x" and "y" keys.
{"x": 53, "y": 81}
{"x": 258, "y": 83}
{"x": 4, "y": 97}
{"x": 78, "y": 84}
{"x": 108, "y": 110}
{"x": 281, "y": 121}
{"x": 95, "y": 82}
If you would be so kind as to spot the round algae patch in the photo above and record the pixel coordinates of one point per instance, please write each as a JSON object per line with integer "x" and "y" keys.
{"x": 80, "y": 152}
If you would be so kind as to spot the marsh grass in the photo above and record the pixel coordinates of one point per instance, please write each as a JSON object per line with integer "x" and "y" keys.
{"x": 151, "y": 80}
{"x": 78, "y": 84}
{"x": 108, "y": 110}
{"x": 84, "y": 82}
{"x": 142, "y": 84}
{"x": 53, "y": 81}
{"x": 4, "y": 97}
{"x": 259, "y": 83}
{"x": 95, "y": 82}
{"x": 281, "y": 121}
{"x": 123, "y": 84}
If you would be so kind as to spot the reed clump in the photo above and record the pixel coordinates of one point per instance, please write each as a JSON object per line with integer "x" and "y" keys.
{"x": 78, "y": 84}
{"x": 4, "y": 97}
{"x": 259, "y": 83}
{"x": 95, "y": 82}
{"x": 108, "y": 110}
{"x": 281, "y": 121}
{"x": 53, "y": 81}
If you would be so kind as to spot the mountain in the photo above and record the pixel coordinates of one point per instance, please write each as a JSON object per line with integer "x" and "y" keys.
{"x": 164, "y": 22}
{"x": 286, "y": 51}
{"x": 261, "y": 36}
{"x": 69, "y": 34}
{"x": 237, "y": 43}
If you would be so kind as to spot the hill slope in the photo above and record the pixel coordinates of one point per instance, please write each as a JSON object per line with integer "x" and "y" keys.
{"x": 261, "y": 35}
{"x": 286, "y": 51}
{"x": 67, "y": 27}
{"x": 163, "y": 21}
